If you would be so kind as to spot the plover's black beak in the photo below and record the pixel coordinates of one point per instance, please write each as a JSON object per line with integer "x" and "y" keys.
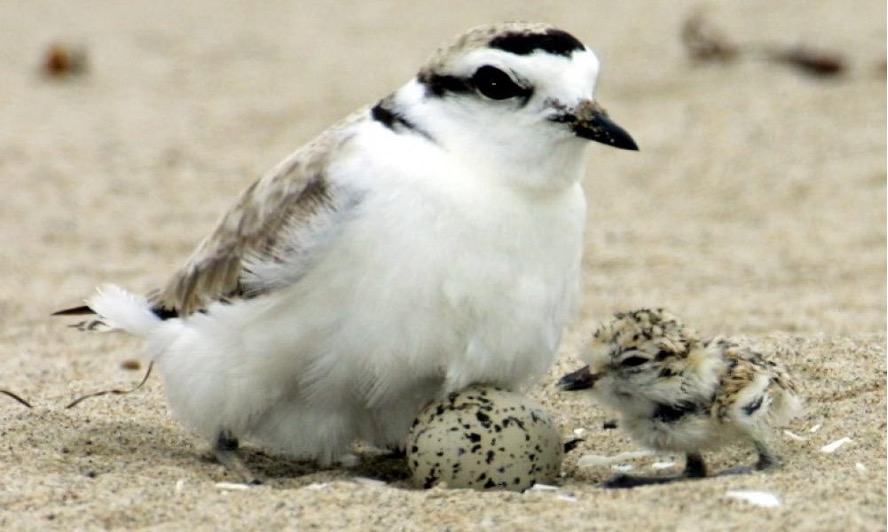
{"x": 581, "y": 379}
{"x": 590, "y": 121}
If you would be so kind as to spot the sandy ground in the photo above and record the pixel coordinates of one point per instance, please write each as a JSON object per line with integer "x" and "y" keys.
{"x": 756, "y": 207}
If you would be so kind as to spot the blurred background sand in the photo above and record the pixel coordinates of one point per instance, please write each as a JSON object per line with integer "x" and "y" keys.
{"x": 756, "y": 207}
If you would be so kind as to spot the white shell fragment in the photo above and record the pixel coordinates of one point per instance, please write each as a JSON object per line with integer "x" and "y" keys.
{"x": 793, "y": 436}
{"x": 548, "y": 489}
{"x": 590, "y": 460}
{"x": 232, "y": 486}
{"x": 482, "y": 438}
{"x": 834, "y": 446}
{"x": 757, "y": 498}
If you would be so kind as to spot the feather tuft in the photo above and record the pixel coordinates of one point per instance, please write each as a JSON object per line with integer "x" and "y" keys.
{"x": 120, "y": 309}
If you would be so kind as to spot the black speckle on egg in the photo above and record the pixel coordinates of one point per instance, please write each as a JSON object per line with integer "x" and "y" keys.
{"x": 484, "y": 438}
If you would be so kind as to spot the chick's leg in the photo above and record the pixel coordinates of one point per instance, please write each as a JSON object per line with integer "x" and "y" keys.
{"x": 695, "y": 468}
{"x": 766, "y": 460}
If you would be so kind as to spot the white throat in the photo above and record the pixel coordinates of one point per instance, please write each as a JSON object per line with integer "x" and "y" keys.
{"x": 509, "y": 150}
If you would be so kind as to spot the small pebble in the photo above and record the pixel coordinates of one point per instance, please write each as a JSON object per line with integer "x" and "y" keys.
{"x": 63, "y": 61}
{"x": 131, "y": 364}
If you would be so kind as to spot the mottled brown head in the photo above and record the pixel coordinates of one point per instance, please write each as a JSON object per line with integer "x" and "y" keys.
{"x": 639, "y": 359}
{"x": 635, "y": 337}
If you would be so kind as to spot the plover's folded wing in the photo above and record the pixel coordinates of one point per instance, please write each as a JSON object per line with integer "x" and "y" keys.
{"x": 276, "y": 226}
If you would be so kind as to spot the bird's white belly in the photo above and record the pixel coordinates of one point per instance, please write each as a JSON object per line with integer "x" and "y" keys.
{"x": 439, "y": 297}
{"x": 382, "y": 325}
{"x": 444, "y": 306}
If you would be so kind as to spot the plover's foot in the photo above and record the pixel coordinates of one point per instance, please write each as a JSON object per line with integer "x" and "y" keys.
{"x": 226, "y": 452}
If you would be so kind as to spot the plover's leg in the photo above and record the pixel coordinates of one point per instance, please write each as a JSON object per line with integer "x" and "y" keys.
{"x": 695, "y": 467}
{"x": 397, "y": 452}
{"x": 766, "y": 460}
{"x": 225, "y": 450}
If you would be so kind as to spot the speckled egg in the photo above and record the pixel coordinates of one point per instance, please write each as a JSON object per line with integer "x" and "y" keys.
{"x": 484, "y": 437}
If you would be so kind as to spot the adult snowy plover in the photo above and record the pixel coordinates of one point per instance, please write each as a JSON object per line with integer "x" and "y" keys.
{"x": 679, "y": 393}
{"x": 425, "y": 243}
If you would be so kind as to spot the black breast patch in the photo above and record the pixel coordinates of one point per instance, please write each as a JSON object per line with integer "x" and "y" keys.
{"x": 670, "y": 413}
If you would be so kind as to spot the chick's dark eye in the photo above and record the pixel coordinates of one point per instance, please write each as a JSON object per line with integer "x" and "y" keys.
{"x": 633, "y": 361}
{"x": 496, "y": 84}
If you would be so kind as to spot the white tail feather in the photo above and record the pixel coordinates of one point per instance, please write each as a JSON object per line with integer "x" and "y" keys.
{"x": 120, "y": 309}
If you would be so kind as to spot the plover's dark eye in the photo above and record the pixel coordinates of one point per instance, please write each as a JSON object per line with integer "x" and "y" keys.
{"x": 633, "y": 361}
{"x": 496, "y": 84}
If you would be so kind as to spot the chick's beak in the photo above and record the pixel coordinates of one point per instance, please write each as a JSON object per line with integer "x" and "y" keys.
{"x": 581, "y": 379}
{"x": 590, "y": 121}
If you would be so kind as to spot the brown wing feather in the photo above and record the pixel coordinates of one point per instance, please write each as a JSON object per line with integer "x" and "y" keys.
{"x": 294, "y": 188}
